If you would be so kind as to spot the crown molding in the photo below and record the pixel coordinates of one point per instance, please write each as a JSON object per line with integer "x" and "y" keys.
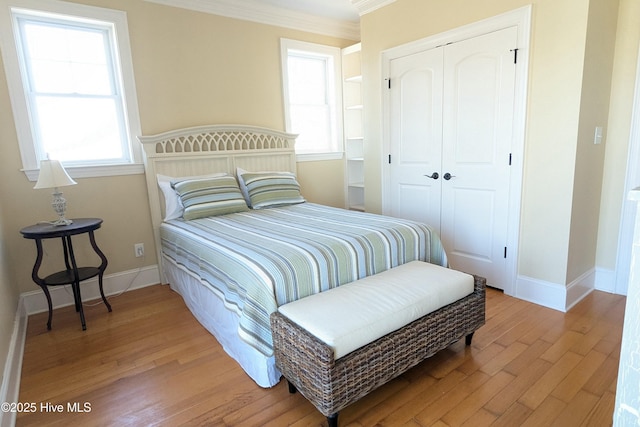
{"x": 270, "y": 15}
{"x": 366, "y": 6}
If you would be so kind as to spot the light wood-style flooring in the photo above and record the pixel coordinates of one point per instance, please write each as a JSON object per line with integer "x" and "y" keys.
{"x": 150, "y": 363}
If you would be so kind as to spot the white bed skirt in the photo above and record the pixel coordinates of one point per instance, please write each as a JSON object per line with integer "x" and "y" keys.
{"x": 211, "y": 312}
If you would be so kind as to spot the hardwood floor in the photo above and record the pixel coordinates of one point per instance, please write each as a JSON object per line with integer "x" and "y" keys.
{"x": 149, "y": 362}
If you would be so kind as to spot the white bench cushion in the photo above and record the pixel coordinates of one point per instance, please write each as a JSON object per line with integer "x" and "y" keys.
{"x": 353, "y": 315}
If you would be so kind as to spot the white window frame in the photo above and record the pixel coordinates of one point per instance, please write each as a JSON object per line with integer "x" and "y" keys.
{"x": 20, "y": 105}
{"x": 287, "y": 45}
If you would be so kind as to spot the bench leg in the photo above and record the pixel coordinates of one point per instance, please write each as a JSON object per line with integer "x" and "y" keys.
{"x": 332, "y": 420}
{"x": 468, "y": 338}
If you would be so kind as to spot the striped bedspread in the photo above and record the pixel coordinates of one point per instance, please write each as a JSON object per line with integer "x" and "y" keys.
{"x": 258, "y": 260}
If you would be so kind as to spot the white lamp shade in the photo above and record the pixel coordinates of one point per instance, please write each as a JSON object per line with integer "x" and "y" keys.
{"x": 53, "y": 175}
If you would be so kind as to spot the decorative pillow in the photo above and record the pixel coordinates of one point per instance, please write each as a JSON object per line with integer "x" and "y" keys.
{"x": 172, "y": 206}
{"x": 202, "y": 197}
{"x": 270, "y": 189}
{"x": 243, "y": 186}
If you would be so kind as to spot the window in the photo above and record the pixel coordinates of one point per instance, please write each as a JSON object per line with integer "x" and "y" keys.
{"x": 312, "y": 98}
{"x": 71, "y": 86}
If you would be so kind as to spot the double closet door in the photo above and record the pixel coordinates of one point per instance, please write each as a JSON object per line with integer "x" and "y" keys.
{"x": 450, "y": 123}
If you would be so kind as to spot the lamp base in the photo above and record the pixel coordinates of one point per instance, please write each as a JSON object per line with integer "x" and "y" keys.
{"x": 60, "y": 206}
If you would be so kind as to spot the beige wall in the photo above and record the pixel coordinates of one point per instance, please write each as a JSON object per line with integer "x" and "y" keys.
{"x": 8, "y": 299}
{"x": 570, "y": 63}
{"x": 594, "y": 111}
{"x": 555, "y": 85}
{"x": 323, "y": 182}
{"x": 9, "y": 289}
{"x": 191, "y": 69}
{"x": 617, "y": 138}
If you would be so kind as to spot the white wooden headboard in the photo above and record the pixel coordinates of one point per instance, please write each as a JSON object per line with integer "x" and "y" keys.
{"x": 209, "y": 149}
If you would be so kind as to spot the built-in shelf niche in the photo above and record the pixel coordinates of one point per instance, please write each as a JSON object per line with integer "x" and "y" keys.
{"x": 353, "y": 127}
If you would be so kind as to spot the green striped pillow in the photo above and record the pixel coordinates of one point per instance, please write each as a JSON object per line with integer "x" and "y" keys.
{"x": 269, "y": 189}
{"x": 209, "y": 196}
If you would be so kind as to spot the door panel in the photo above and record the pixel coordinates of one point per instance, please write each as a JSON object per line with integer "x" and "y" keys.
{"x": 477, "y": 129}
{"x": 414, "y": 200}
{"x": 416, "y": 136}
{"x": 473, "y": 107}
{"x": 480, "y": 224}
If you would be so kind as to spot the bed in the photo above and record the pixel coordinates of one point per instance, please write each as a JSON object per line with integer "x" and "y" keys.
{"x": 234, "y": 267}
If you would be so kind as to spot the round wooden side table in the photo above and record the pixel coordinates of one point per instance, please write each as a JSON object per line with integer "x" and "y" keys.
{"x": 72, "y": 274}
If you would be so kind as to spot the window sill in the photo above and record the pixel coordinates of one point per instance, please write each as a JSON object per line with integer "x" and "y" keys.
{"x": 313, "y": 157}
{"x": 93, "y": 171}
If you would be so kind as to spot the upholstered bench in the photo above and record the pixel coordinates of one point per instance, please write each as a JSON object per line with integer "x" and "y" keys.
{"x": 337, "y": 346}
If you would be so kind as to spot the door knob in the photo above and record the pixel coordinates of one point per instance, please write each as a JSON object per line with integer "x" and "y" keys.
{"x": 448, "y": 176}
{"x": 433, "y": 175}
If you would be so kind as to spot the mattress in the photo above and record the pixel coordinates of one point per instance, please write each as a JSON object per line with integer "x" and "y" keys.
{"x": 258, "y": 260}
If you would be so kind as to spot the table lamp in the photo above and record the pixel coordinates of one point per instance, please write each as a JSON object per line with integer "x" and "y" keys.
{"x": 53, "y": 175}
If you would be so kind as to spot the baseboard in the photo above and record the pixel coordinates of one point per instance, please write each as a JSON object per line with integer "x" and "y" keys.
{"x": 605, "y": 280}
{"x": 553, "y": 295}
{"x": 10, "y": 389}
{"x": 61, "y": 296}
{"x": 543, "y": 293}
{"x": 580, "y": 288}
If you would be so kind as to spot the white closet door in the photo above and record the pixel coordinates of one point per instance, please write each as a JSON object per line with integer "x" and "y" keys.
{"x": 416, "y": 136}
{"x": 479, "y": 87}
{"x": 450, "y": 113}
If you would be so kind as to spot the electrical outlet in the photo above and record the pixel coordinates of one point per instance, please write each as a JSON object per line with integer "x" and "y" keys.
{"x": 139, "y": 249}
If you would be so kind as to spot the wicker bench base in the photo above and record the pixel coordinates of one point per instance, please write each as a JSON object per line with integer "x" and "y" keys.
{"x": 330, "y": 385}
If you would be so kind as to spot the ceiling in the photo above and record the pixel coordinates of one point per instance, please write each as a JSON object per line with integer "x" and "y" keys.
{"x": 339, "y": 18}
{"x": 342, "y": 10}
